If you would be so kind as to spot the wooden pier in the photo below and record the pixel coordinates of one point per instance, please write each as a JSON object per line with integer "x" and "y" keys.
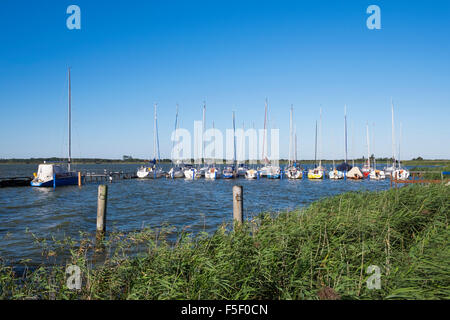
{"x": 417, "y": 177}
{"x": 15, "y": 182}
{"x": 86, "y": 177}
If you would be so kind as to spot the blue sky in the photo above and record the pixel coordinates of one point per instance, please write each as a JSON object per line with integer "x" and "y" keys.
{"x": 232, "y": 54}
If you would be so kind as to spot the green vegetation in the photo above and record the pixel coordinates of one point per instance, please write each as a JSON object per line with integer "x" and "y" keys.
{"x": 320, "y": 252}
{"x": 433, "y": 173}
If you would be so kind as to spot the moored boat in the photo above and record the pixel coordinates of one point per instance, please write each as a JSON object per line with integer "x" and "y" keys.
{"x": 52, "y": 174}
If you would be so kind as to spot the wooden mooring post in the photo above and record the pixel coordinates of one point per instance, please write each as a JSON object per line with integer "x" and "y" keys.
{"x": 238, "y": 204}
{"x": 101, "y": 209}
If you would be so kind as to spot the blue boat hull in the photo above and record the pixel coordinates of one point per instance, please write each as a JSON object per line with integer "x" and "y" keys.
{"x": 65, "y": 181}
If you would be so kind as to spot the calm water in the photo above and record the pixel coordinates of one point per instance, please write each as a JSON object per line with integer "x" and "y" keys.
{"x": 132, "y": 204}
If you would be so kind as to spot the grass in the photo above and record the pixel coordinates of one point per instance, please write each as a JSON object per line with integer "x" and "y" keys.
{"x": 433, "y": 172}
{"x": 320, "y": 252}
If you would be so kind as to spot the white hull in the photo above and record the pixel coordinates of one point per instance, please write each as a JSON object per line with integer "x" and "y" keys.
{"x": 377, "y": 175}
{"x": 251, "y": 174}
{"x": 149, "y": 173}
{"x": 294, "y": 173}
{"x": 176, "y": 173}
{"x": 212, "y": 174}
{"x": 335, "y": 174}
{"x": 400, "y": 174}
{"x": 191, "y": 174}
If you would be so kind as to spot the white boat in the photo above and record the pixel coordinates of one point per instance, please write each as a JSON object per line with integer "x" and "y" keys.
{"x": 176, "y": 172}
{"x": 340, "y": 171}
{"x": 355, "y": 174}
{"x": 191, "y": 173}
{"x": 335, "y": 174}
{"x": 177, "y": 168}
{"x": 390, "y": 169}
{"x": 376, "y": 174}
{"x": 242, "y": 170}
{"x": 53, "y": 174}
{"x": 149, "y": 172}
{"x": 400, "y": 173}
{"x": 318, "y": 172}
{"x": 152, "y": 171}
{"x": 229, "y": 172}
{"x": 366, "y": 169}
{"x": 292, "y": 172}
{"x": 251, "y": 174}
{"x": 212, "y": 173}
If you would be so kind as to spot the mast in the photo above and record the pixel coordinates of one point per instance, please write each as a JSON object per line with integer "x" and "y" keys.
{"x": 234, "y": 142}
{"x": 368, "y": 145}
{"x": 295, "y": 144}
{"x": 320, "y": 138}
{"x": 176, "y": 124}
{"x": 315, "y": 150}
{"x": 399, "y": 142}
{"x": 345, "y": 131}
{"x": 264, "y": 132}
{"x": 214, "y": 159}
{"x": 393, "y": 135}
{"x": 155, "y": 137}
{"x": 203, "y": 131}
{"x": 69, "y": 159}
{"x": 290, "y": 136}
{"x": 243, "y": 142}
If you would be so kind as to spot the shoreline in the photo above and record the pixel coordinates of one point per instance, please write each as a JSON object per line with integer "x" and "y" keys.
{"x": 320, "y": 251}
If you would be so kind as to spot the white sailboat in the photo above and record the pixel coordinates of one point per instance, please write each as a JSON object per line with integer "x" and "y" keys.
{"x": 367, "y": 168}
{"x": 229, "y": 172}
{"x": 54, "y": 174}
{"x": 268, "y": 170}
{"x": 376, "y": 174}
{"x": 177, "y": 167}
{"x": 340, "y": 171}
{"x": 152, "y": 171}
{"x": 242, "y": 167}
{"x": 400, "y": 173}
{"x": 318, "y": 171}
{"x": 212, "y": 172}
{"x": 390, "y": 169}
{"x": 292, "y": 171}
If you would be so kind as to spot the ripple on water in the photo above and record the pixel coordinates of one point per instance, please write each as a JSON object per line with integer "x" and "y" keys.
{"x": 133, "y": 204}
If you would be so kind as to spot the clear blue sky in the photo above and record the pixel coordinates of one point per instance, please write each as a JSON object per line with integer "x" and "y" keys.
{"x": 233, "y": 54}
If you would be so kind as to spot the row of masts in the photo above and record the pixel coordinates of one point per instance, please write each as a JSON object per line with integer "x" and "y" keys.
{"x": 292, "y": 134}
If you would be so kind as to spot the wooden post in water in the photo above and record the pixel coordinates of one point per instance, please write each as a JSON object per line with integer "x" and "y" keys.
{"x": 238, "y": 204}
{"x": 101, "y": 209}
{"x": 79, "y": 178}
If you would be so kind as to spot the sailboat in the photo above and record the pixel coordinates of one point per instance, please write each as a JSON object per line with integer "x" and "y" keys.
{"x": 229, "y": 172}
{"x": 367, "y": 168}
{"x": 268, "y": 170}
{"x": 390, "y": 169}
{"x": 341, "y": 170}
{"x": 292, "y": 172}
{"x": 376, "y": 174}
{"x": 212, "y": 172}
{"x": 318, "y": 171}
{"x": 177, "y": 170}
{"x": 152, "y": 171}
{"x": 400, "y": 173}
{"x": 54, "y": 174}
{"x": 242, "y": 167}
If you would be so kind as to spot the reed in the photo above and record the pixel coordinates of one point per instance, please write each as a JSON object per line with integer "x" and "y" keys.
{"x": 319, "y": 252}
